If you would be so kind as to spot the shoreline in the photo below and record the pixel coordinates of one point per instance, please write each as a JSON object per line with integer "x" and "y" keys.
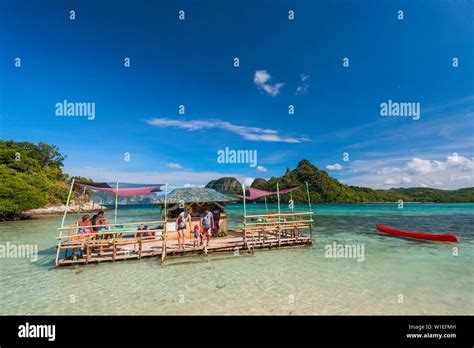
{"x": 60, "y": 209}
{"x": 57, "y": 210}
{"x": 51, "y": 211}
{"x": 404, "y": 202}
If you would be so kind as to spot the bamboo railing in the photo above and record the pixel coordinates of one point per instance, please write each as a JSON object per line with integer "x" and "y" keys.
{"x": 112, "y": 225}
{"x": 301, "y": 221}
{"x": 106, "y": 232}
{"x": 78, "y": 240}
{"x": 280, "y": 214}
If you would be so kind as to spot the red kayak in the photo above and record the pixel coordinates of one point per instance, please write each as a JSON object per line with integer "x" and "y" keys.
{"x": 418, "y": 235}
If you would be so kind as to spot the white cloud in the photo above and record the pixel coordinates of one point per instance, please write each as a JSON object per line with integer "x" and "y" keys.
{"x": 420, "y": 166}
{"x": 304, "y": 85}
{"x": 248, "y": 181}
{"x": 398, "y": 181}
{"x": 389, "y": 170}
{"x": 390, "y": 182}
{"x": 451, "y": 173}
{"x": 261, "y": 78}
{"x": 261, "y": 169}
{"x": 246, "y": 132}
{"x": 335, "y": 166}
{"x": 454, "y": 178}
{"x": 174, "y": 165}
{"x": 439, "y": 166}
{"x": 463, "y": 163}
{"x": 188, "y": 185}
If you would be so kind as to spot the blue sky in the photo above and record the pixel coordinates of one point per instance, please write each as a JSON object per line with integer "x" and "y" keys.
{"x": 282, "y": 62}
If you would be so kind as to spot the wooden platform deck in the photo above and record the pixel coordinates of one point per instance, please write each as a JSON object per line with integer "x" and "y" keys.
{"x": 233, "y": 243}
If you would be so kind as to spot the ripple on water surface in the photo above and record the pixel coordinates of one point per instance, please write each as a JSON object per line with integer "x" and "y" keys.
{"x": 300, "y": 281}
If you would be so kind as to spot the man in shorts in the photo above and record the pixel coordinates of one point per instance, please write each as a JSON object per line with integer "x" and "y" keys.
{"x": 207, "y": 220}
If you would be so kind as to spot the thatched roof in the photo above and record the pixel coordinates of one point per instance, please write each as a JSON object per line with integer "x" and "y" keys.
{"x": 195, "y": 195}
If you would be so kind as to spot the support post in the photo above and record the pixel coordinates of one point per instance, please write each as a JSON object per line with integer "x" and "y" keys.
{"x": 140, "y": 246}
{"x": 163, "y": 245}
{"x": 80, "y": 203}
{"x": 166, "y": 201}
{"x": 88, "y": 251}
{"x": 63, "y": 221}
{"x": 165, "y": 232}
{"x": 116, "y": 202}
{"x": 311, "y": 216}
{"x": 279, "y": 212}
{"x": 93, "y": 205}
{"x": 245, "y": 216}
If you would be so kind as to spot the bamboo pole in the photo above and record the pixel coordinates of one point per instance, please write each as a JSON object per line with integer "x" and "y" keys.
{"x": 80, "y": 203}
{"x": 67, "y": 203}
{"x": 78, "y": 217}
{"x": 309, "y": 197}
{"x": 293, "y": 203}
{"x": 140, "y": 246}
{"x": 165, "y": 233}
{"x": 278, "y": 197}
{"x": 253, "y": 243}
{"x": 245, "y": 214}
{"x": 309, "y": 204}
{"x": 93, "y": 204}
{"x": 245, "y": 209}
{"x": 63, "y": 220}
{"x": 166, "y": 200}
{"x": 266, "y": 207}
{"x": 112, "y": 225}
{"x": 104, "y": 233}
{"x": 87, "y": 252}
{"x": 116, "y": 202}
{"x": 279, "y": 223}
{"x": 279, "y": 212}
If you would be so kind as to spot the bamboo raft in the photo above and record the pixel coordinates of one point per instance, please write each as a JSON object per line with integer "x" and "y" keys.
{"x": 116, "y": 242}
{"x": 119, "y": 243}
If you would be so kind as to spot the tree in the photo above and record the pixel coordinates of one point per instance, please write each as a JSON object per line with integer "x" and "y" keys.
{"x": 30, "y": 177}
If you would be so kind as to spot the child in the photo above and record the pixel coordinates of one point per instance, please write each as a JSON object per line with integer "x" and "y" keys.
{"x": 196, "y": 236}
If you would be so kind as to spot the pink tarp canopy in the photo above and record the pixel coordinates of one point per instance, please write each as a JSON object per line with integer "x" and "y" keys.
{"x": 256, "y": 193}
{"x": 125, "y": 191}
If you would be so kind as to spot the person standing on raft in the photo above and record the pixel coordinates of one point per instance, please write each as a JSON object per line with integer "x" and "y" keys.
{"x": 207, "y": 221}
{"x": 183, "y": 218}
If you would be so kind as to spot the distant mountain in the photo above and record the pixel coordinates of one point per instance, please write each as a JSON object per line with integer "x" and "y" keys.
{"x": 104, "y": 198}
{"x": 228, "y": 185}
{"x": 325, "y": 189}
{"x": 322, "y": 188}
{"x": 425, "y": 194}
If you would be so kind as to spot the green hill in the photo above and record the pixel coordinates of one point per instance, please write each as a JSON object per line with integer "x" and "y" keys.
{"x": 228, "y": 185}
{"x": 424, "y": 194}
{"x": 31, "y": 177}
{"x": 325, "y": 189}
{"x": 322, "y": 188}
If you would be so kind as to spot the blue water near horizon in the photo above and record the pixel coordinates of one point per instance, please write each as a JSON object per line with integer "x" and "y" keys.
{"x": 432, "y": 278}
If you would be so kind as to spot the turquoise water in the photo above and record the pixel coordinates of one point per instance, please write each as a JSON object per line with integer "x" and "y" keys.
{"x": 428, "y": 277}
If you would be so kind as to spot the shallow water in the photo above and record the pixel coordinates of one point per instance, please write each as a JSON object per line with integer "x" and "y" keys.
{"x": 427, "y": 275}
